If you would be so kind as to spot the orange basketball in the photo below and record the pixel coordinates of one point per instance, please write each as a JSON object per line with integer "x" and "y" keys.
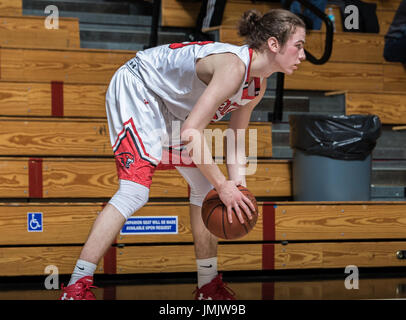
{"x": 214, "y": 215}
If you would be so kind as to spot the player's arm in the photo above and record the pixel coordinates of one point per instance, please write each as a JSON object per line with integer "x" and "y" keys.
{"x": 236, "y": 157}
{"x": 226, "y": 75}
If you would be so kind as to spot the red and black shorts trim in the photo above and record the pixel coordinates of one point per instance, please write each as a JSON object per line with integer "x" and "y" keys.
{"x": 132, "y": 160}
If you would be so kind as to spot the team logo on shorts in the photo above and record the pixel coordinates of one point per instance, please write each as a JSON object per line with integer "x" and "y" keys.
{"x": 126, "y": 159}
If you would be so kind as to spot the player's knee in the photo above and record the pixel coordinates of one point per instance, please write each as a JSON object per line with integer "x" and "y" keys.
{"x": 198, "y": 191}
{"x": 129, "y": 198}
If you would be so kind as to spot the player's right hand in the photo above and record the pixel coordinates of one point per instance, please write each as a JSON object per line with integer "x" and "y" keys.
{"x": 233, "y": 199}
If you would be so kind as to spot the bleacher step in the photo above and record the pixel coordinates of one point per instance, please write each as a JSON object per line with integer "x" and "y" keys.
{"x": 97, "y": 6}
{"x": 111, "y": 19}
{"x": 122, "y": 38}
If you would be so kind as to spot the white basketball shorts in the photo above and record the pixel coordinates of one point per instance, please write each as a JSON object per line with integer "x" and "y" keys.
{"x": 139, "y": 126}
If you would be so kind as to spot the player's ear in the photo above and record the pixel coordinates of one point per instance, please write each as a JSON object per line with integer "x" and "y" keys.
{"x": 273, "y": 45}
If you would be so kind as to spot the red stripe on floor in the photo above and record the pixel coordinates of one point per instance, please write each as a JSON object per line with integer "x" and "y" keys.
{"x": 109, "y": 293}
{"x": 268, "y": 291}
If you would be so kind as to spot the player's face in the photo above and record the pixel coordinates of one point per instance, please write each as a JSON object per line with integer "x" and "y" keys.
{"x": 292, "y": 53}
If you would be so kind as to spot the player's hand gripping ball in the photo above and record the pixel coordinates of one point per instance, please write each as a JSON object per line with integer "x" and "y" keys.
{"x": 214, "y": 215}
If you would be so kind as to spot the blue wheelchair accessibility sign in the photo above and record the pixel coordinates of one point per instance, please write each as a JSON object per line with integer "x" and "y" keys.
{"x": 34, "y": 222}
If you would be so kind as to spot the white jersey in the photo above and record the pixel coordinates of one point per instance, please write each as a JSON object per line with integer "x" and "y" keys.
{"x": 169, "y": 71}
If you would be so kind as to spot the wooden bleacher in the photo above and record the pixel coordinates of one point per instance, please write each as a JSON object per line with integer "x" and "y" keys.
{"x": 82, "y": 66}
{"x": 30, "y": 32}
{"x": 183, "y": 13}
{"x": 390, "y": 107}
{"x": 52, "y": 103}
{"x": 11, "y": 7}
{"x": 288, "y": 235}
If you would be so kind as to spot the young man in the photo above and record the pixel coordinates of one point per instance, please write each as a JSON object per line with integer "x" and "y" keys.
{"x": 190, "y": 84}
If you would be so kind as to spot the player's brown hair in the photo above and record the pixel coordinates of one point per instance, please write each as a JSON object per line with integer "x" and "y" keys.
{"x": 257, "y": 28}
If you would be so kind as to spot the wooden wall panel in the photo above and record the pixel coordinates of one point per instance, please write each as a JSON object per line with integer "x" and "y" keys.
{"x": 84, "y": 100}
{"x": 97, "y": 178}
{"x": 181, "y": 258}
{"x": 87, "y": 66}
{"x": 394, "y": 77}
{"x": 30, "y": 32}
{"x": 11, "y": 7}
{"x": 14, "y": 178}
{"x": 74, "y": 137}
{"x": 338, "y": 255}
{"x": 36, "y": 137}
{"x": 69, "y": 178}
{"x": 389, "y": 107}
{"x": 34, "y": 99}
{"x": 271, "y": 179}
{"x": 259, "y": 134}
{"x": 33, "y": 260}
{"x": 67, "y": 223}
{"x": 93, "y": 178}
{"x": 336, "y": 76}
{"x": 25, "y": 99}
{"x": 340, "y": 221}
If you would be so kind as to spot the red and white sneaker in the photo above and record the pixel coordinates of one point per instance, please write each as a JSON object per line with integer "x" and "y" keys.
{"x": 215, "y": 290}
{"x": 80, "y": 290}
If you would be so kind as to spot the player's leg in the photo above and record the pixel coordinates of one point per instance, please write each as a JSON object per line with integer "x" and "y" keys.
{"x": 210, "y": 284}
{"x": 130, "y": 197}
{"x": 135, "y": 160}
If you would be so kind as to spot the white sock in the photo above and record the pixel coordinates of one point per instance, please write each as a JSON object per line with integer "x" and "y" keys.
{"x": 206, "y": 271}
{"x": 82, "y": 269}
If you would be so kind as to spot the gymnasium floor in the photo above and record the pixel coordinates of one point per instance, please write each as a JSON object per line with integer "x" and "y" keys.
{"x": 380, "y": 284}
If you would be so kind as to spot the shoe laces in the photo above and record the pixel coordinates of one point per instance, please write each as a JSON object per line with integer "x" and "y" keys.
{"x": 223, "y": 290}
{"x": 81, "y": 288}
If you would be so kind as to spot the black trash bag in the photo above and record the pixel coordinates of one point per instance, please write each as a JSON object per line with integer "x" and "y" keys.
{"x": 339, "y": 137}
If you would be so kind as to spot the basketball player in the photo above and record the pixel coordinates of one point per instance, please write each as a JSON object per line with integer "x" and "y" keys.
{"x": 190, "y": 84}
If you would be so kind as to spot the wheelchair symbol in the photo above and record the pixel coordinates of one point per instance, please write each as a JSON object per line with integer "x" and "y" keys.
{"x": 34, "y": 222}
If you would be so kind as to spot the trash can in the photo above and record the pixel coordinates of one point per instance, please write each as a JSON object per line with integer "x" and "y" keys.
{"x": 332, "y": 156}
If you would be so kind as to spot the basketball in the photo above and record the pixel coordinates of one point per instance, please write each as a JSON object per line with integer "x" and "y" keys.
{"x": 214, "y": 215}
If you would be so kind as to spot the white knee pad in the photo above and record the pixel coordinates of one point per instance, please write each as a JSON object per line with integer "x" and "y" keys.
{"x": 129, "y": 198}
{"x": 199, "y": 185}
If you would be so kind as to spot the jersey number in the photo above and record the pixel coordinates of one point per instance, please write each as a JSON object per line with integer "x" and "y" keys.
{"x": 181, "y": 45}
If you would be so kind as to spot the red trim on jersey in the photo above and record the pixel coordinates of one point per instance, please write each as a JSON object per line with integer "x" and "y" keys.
{"x": 257, "y": 81}
{"x": 184, "y": 44}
